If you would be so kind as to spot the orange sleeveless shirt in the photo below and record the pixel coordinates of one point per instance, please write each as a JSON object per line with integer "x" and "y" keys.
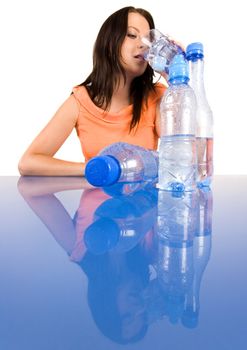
{"x": 97, "y": 128}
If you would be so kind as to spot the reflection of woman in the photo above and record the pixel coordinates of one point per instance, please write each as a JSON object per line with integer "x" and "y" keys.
{"x": 115, "y": 279}
{"x": 39, "y": 193}
{"x": 115, "y": 285}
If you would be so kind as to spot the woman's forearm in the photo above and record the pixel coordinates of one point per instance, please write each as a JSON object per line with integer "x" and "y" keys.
{"x": 43, "y": 165}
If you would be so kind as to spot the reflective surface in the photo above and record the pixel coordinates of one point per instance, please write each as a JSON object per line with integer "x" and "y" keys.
{"x": 127, "y": 267}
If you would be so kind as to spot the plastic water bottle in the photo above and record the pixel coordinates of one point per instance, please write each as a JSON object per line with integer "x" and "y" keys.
{"x": 161, "y": 50}
{"x": 122, "y": 162}
{"x": 204, "y": 115}
{"x": 177, "y": 149}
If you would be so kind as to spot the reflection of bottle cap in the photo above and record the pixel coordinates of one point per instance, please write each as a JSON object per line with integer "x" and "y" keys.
{"x": 179, "y": 70}
{"x": 190, "y": 319}
{"x": 102, "y": 171}
{"x": 194, "y": 51}
{"x": 101, "y": 236}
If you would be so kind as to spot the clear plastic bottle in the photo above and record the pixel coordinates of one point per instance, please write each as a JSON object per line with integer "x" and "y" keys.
{"x": 177, "y": 149}
{"x": 204, "y": 115}
{"x": 122, "y": 162}
{"x": 161, "y": 49}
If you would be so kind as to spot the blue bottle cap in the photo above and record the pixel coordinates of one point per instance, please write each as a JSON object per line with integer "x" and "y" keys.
{"x": 102, "y": 171}
{"x": 179, "y": 70}
{"x": 194, "y": 51}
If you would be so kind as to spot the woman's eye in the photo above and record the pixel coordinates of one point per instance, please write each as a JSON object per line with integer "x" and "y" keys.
{"x": 132, "y": 36}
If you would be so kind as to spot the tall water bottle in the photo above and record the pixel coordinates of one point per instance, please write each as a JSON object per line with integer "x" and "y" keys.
{"x": 122, "y": 162}
{"x": 177, "y": 149}
{"x": 161, "y": 50}
{"x": 204, "y": 115}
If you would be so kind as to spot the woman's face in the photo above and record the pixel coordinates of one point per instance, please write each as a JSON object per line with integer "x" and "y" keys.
{"x": 132, "y": 48}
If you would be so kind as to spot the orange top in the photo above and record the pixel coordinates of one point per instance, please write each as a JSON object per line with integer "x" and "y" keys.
{"x": 97, "y": 128}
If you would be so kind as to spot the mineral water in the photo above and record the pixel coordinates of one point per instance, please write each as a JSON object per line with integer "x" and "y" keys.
{"x": 178, "y": 160}
{"x": 204, "y": 115}
{"x": 204, "y": 147}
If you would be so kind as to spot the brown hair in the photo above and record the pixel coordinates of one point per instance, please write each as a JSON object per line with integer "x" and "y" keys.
{"x": 105, "y": 74}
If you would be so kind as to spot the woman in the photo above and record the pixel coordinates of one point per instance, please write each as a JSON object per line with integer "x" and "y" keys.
{"x": 117, "y": 102}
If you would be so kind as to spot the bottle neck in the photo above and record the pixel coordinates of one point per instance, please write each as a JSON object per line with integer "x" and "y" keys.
{"x": 197, "y": 75}
{"x": 179, "y": 80}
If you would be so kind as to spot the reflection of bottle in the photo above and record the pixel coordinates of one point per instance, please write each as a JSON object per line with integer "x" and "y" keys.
{"x": 177, "y": 149}
{"x": 161, "y": 50}
{"x": 201, "y": 254}
{"x": 119, "y": 223}
{"x": 176, "y": 215}
{"x": 127, "y": 188}
{"x": 176, "y": 229}
{"x": 122, "y": 162}
{"x": 204, "y": 115}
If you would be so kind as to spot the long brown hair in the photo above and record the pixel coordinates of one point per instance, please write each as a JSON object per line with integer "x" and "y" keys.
{"x": 107, "y": 66}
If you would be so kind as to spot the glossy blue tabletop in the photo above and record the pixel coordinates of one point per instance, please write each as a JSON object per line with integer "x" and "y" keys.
{"x": 125, "y": 267}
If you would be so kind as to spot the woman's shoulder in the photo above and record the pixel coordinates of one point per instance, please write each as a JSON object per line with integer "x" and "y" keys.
{"x": 80, "y": 92}
{"x": 159, "y": 88}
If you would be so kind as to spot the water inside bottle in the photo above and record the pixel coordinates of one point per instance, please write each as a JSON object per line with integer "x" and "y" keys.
{"x": 177, "y": 163}
{"x": 161, "y": 49}
{"x": 204, "y": 147}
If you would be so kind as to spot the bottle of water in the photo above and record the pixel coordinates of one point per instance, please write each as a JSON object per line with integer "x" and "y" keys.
{"x": 160, "y": 50}
{"x": 122, "y": 162}
{"x": 177, "y": 149}
{"x": 204, "y": 115}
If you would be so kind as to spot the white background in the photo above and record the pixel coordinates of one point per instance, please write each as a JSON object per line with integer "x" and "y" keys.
{"x": 46, "y": 49}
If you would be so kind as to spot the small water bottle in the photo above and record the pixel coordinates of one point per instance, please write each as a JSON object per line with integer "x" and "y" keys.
{"x": 160, "y": 50}
{"x": 122, "y": 162}
{"x": 177, "y": 148}
{"x": 204, "y": 115}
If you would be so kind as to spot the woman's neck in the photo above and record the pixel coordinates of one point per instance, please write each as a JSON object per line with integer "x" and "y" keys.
{"x": 120, "y": 97}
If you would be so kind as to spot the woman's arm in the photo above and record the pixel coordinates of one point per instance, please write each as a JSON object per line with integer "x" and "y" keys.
{"x": 38, "y": 158}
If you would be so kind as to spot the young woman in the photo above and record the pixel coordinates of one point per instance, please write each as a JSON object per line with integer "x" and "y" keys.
{"x": 117, "y": 102}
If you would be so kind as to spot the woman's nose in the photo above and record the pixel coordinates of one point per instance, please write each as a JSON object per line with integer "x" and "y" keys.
{"x": 140, "y": 43}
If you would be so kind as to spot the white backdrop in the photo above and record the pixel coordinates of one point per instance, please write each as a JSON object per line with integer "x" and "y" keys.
{"x": 46, "y": 49}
